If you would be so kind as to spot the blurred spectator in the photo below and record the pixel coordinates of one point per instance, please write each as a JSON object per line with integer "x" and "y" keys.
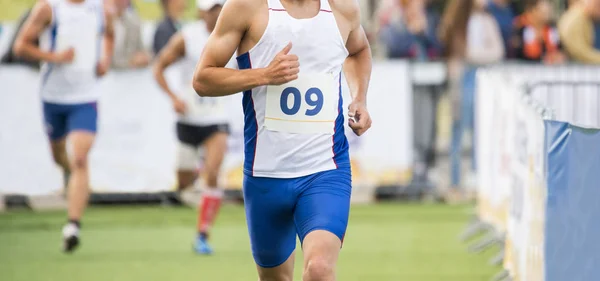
{"x": 579, "y": 31}
{"x": 408, "y": 29}
{"x": 173, "y": 10}
{"x": 129, "y": 49}
{"x": 470, "y": 34}
{"x": 471, "y": 37}
{"x": 503, "y": 12}
{"x": 9, "y": 57}
{"x": 535, "y": 38}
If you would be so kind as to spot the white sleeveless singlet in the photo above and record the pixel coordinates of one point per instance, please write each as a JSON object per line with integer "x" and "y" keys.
{"x": 297, "y": 129}
{"x": 79, "y": 26}
{"x": 201, "y": 111}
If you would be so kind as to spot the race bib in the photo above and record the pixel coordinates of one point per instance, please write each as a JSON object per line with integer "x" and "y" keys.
{"x": 307, "y": 105}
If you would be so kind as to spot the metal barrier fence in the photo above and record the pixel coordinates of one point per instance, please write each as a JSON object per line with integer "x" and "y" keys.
{"x": 536, "y": 174}
{"x": 581, "y": 109}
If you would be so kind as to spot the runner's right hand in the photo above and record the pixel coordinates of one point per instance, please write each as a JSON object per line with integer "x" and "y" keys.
{"x": 65, "y": 56}
{"x": 283, "y": 68}
{"x": 179, "y": 105}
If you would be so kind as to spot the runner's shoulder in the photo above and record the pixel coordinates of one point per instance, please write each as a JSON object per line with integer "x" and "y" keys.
{"x": 240, "y": 13}
{"x": 42, "y": 11}
{"x": 350, "y": 9}
{"x": 247, "y": 7}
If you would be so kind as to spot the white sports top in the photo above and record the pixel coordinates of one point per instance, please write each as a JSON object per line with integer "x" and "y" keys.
{"x": 80, "y": 26}
{"x": 297, "y": 129}
{"x": 201, "y": 111}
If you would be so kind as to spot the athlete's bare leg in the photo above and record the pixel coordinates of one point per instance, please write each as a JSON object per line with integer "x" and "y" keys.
{"x": 210, "y": 201}
{"x": 215, "y": 148}
{"x": 321, "y": 251}
{"x": 186, "y": 178}
{"x": 284, "y": 272}
{"x": 78, "y": 191}
{"x": 59, "y": 153}
{"x": 78, "y": 187}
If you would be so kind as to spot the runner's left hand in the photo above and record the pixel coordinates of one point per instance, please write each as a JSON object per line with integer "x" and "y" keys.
{"x": 101, "y": 68}
{"x": 360, "y": 120}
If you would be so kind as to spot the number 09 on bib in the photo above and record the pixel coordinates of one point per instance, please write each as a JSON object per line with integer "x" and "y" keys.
{"x": 307, "y": 105}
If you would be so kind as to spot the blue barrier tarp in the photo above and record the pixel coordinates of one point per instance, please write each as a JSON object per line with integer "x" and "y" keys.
{"x": 572, "y": 243}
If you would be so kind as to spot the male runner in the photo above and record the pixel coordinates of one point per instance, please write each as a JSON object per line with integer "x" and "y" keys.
{"x": 297, "y": 168}
{"x": 203, "y": 122}
{"x": 71, "y": 33}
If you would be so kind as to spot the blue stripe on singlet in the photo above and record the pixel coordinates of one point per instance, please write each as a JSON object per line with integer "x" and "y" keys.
{"x": 340, "y": 143}
{"x": 250, "y": 122}
{"x": 53, "y": 35}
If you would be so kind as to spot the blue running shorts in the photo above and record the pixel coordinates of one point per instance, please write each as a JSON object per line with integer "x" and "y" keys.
{"x": 62, "y": 119}
{"x": 279, "y": 209}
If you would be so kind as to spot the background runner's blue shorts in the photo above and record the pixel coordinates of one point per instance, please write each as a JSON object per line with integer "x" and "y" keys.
{"x": 62, "y": 119}
{"x": 279, "y": 209}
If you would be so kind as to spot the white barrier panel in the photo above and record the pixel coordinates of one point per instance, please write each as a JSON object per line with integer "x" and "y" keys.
{"x": 511, "y": 171}
{"x": 26, "y": 166}
{"x": 386, "y": 150}
{"x": 135, "y": 148}
{"x": 494, "y": 148}
{"x": 554, "y": 87}
{"x": 582, "y": 109}
{"x": 525, "y": 227}
{"x": 545, "y": 168}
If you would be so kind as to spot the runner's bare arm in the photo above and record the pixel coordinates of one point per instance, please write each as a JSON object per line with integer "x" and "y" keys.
{"x": 357, "y": 66}
{"x": 109, "y": 36}
{"x": 38, "y": 20}
{"x": 174, "y": 50}
{"x": 212, "y": 79}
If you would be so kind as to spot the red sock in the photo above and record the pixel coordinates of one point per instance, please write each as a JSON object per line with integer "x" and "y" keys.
{"x": 210, "y": 203}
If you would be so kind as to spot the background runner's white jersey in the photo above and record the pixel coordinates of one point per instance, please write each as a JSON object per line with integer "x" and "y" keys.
{"x": 297, "y": 129}
{"x": 201, "y": 111}
{"x": 80, "y": 26}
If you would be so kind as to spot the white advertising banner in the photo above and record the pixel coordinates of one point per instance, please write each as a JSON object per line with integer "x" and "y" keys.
{"x": 512, "y": 171}
{"x": 494, "y": 147}
{"x": 525, "y": 232}
{"x": 135, "y": 147}
{"x": 484, "y": 119}
{"x": 26, "y": 165}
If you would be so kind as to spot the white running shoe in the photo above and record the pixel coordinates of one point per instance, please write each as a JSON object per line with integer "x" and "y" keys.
{"x": 70, "y": 237}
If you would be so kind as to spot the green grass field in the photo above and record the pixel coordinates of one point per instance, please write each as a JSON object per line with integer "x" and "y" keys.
{"x": 384, "y": 243}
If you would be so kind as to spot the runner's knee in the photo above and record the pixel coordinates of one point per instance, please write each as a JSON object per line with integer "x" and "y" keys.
{"x": 318, "y": 269}
{"x": 79, "y": 162}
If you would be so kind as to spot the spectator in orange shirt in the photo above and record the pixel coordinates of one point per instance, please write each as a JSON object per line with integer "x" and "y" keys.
{"x": 536, "y": 38}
